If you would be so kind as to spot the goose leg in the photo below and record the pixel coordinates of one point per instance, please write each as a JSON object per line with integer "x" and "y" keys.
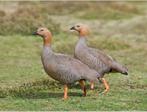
{"x": 82, "y": 84}
{"x": 106, "y": 85}
{"x": 65, "y": 92}
{"x": 92, "y": 85}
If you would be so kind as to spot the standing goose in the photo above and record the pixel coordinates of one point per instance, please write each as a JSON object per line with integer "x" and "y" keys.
{"x": 95, "y": 58}
{"x": 64, "y": 68}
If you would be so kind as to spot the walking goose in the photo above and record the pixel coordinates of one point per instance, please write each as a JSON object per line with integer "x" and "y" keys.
{"x": 64, "y": 68}
{"x": 95, "y": 58}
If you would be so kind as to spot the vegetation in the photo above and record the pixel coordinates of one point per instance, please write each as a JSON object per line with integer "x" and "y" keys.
{"x": 24, "y": 20}
{"x": 25, "y": 85}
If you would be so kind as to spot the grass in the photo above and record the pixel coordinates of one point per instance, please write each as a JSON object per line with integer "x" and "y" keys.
{"x": 105, "y": 14}
{"x": 118, "y": 30}
{"x": 25, "y": 86}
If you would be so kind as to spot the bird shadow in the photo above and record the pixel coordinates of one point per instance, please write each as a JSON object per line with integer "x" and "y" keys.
{"x": 54, "y": 92}
{"x": 51, "y": 93}
{"x": 46, "y": 95}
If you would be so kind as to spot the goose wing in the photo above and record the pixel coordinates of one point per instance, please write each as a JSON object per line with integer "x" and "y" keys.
{"x": 71, "y": 69}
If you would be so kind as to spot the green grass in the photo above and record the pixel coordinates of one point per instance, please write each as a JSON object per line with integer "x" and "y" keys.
{"x": 25, "y": 85}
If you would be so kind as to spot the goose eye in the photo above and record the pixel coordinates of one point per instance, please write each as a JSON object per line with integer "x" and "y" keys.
{"x": 78, "y": 26}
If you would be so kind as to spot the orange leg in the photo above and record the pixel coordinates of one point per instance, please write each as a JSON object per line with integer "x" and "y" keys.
{"x": 92, "y": 85}
{"x": 82, "y": 84}
{"x": 106, "y": 85}
{"x": 65, "y": 92}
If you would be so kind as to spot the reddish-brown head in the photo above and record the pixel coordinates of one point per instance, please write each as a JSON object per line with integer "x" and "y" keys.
{"x": 45, "y": 33}
{"x": 82, "y": 29}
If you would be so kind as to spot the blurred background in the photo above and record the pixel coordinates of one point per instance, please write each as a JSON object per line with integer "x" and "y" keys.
{"x": 117, "y": 28}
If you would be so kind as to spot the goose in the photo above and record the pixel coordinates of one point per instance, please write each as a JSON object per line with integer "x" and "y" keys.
{"x": 95, "y": 58}
{"x": 64, "y": 68}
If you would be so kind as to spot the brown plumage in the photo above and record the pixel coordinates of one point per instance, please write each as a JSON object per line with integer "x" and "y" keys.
{"x": 64, "y": 68}
{"x": 95, "y": 58}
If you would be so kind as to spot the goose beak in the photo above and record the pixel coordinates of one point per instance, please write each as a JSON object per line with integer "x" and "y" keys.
{"x": 34, "y": 33}
{"x": 72, "y": 28}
